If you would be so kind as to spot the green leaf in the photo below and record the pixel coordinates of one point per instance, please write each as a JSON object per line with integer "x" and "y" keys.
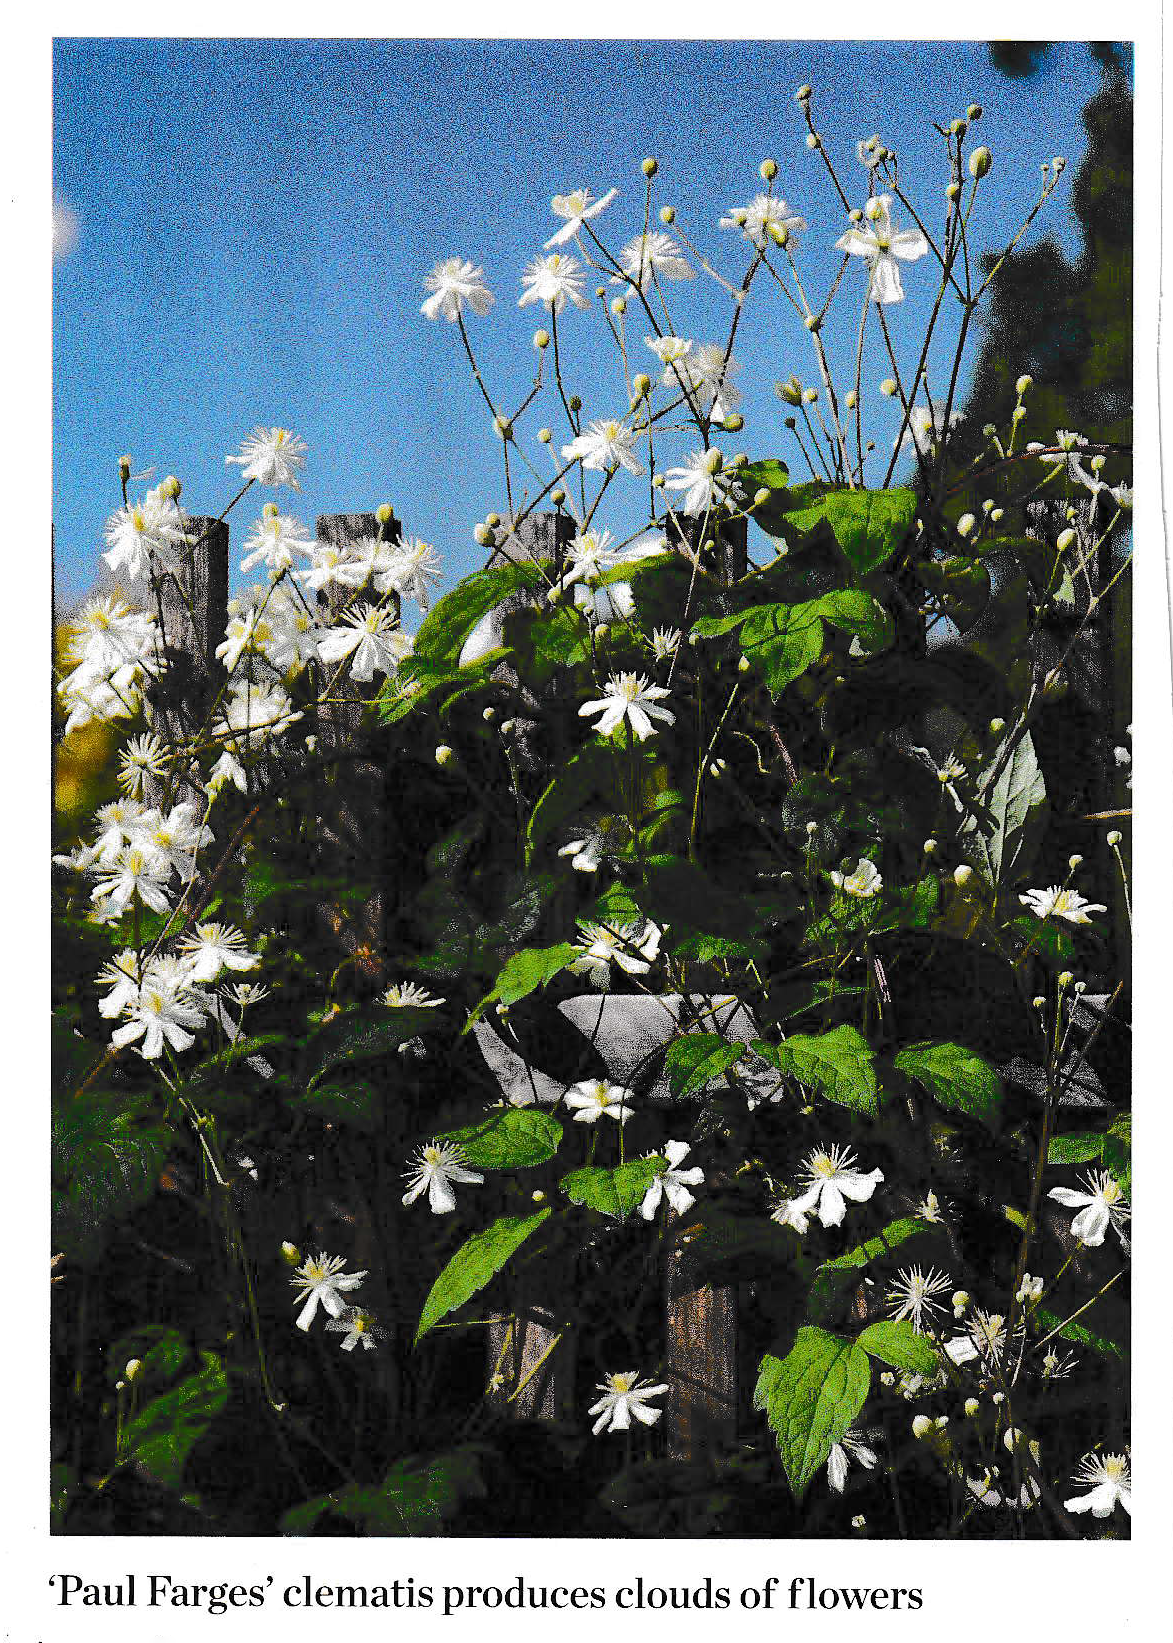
{"x": 415, "y": 1498}
{"x": 358, "y": 1104}
{"x": 767, "y": 473}
{"x": 450, "y": 621}
{"x": 962, "y": 584}
{"x": 477, "y": 1260}
{"x": 367, "y": 1033}
{"x": 696, "y": 1059}
{"x": 509, "y": 1138}
{"x": 523, "y": 973}
{"x": 782, "y": 640}
{"x": 839, "y": 1064}
{"x": 855, "y": 611}
{"x": 593, "y": 767}
{"x": 164, "y": 1432}
{"x": 1118, "y": 1151}
{"x": 832, "y": 1275}
{"x": 1075, "y": 1148}
{"x": 1076, "y": 1332}
{"x": 868, "y": 526}
{"x": 107, "y": 1155}
{"x": 1000, "y": 838}
{"x": 894, "y": 1341}
{"x": 615, "y": 1191}
{"x": 811, "y": 1398}
{"x": 956, "y": 1078}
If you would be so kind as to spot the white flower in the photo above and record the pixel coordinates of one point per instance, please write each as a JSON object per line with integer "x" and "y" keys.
{"x": 140, "y": 530}
{"x": 652, "y": 256}
{"x": 271, "y": 456}
{"x": 118, "y": 822}
{"x": 924, "y": 427}
{"x": 985, "y": 1338}
{"x": 831, "y": 1179}
{"x": 576, "y": 207}
{"x": 583, "y": 855}
{"x": 595, "y": 1098}
{"x": 762, "y": 210}
{"x": 1067, "y": 456}
{"x": 673, "y": 1182}
{"x": 320, "y": 1279}
{"x": 850, "y": 1447}
{"x": 372, "y": 638}
{"x": 930, "y": 1208}
{"x": 607, "y": 443}
{"x": 625, "y": 1395}
{"x": 142, "y": 756}
{"x": 555, "y": 280}
{"x": 1108, "y": 1479}
{"x": 359, "y": 1328}
{"x": 132, "y": 873}
{"x": 629, "y": 696}
{"x": 1057, "y": 1366}
{"x": 665, "y": 642}
{"x": 406, "y": 995}
{"x": 216, "y": 947}
{"x": 883, "y": 248}
{"x": 870, "y": 152}
{"x": 452, "y": 283}
{"x": 632, "y": 949}
{"x": 160, "y": 1013}
{"x": 1064, "y": 904}
{"x": 254, "y": 712}
{"x": 700, "y": 479}
{"x": 437, "y": 1165}
{"x": 411, "y": 568}
{"x": 172, "y": 840}
{"x": 669, "y": 351}
{"x": 913, "y": 1294}
{"x": 707, "y": 372}
{"x": 276, "y": 540}
{"x": 107, "y": 637}
{"x": 1103, "y": 1204}
{"x": 864, "y": 881}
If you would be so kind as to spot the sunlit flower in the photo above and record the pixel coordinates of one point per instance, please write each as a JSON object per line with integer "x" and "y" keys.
{"x": 761, "y": 211}
{"x": 321, "y": 1279}
{"x": 653, "y": 256}
{"x": 359, "y": 1329}
{"x": 133, "y": 873}
{"x": 673, "y": 1182}
{"x": 452, "y": 283}
{"x": 159, "y": 1015}
{"x": 984, "y": 1338}
{"x": 583, "y": 854}
{"x": 437, "y": 1165}
{"x": 850, "y": 1447}
{"x": 864, "y": 881}
{"x": 1107, "y": 1479}
{"x": 625, "y": 1395}
{"x": 913, "y": 1294}
{"x": 924, "y": 427}
{"x": 700, "y": 479}
{"x": 665, "y": 643}
{"x": 1103, "y": 1204}
{"x": 1057, "y": 1365}
{"x": 883, "y": 248}
{"x": 632, "y": 948}
{"x": 595, "y": 1098}
{"x": 870, "y": 151}
{"x": 669, "y": 351}
{"x": 271, "y": 456}
{"x": 1064, "y": 904}
{"x": 930, "y": 1208}
{"x": 576, "y": 207}
{"x": 606, "y": 443}
{"x": 134, "y": 533}
{"x": 554, "y": 280}
{"x": 371, "y": 637}
{"x": 216, "y": 947}
{"x": 407, "y": 995}
{"x": 830, "y": 1180}
{"x": 276, "y": 541}
{"x": 629, "y": 696}
{"x": 707, "y": 372}
{"x": 143, "y": 756}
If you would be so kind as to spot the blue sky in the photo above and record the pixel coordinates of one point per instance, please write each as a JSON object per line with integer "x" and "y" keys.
{"x": 255, "y": 218}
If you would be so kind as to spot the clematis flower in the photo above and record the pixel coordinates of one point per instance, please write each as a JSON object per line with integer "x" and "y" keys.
{"x": 271, "y": 456}
{"x": 452, "y": 283}
{"x": 850, "y": 1447}
{"x": 160, "y": 1014}
{"x": 831, "y": 1179}
{"x": 625, "y": 1395}
{"x": 632, "y": 949}
{"x": 371, "y": 637}
{"x": 607, "y": 443}
{"x": 407, "y": 995}
{"x": 143, "y": 756}
{"x": 984, "y": 1338}
{"x": 1107, "y": 1479}
{"x": 864, "y": 881}
{"x": 595, "y": 1098}
{"x": 665, "y": 643}
{"x": 321, "y": 1279}
{"x": 576, "y": 208}
{"x": 913, "y": 1294}
{"x": 707, "y": 373}
{"x": 1103, "y": 1204}
{"x": 1065, "y": 904}
{"x": 359, "y": 1329}
{"x": 275, "y": 542}
{"x": 437, "y": 1165}
{"x": 554, "y": 280}
{"x": 136, "y": 532}
{"x": 673, "y": 1183}
{"x": 669, "y": 351}
{"x": 583, "y": 854}
{"x": 216, "y": 947}
{"x": 134, "y": 872}
{"x": 700, "y": 479}
{"x": 925, "y": 427}
{"x": 629, "y": 696}
{"x": 883, "y": 248}
{"x": 652, "y": 256}
{"x": 755, "y": 218}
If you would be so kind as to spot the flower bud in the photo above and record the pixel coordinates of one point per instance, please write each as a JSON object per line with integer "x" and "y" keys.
{"x": 713, "y": 460}
{"x": 813, "y": 322}
{"x": 1114, "y": 838}
{"x": 482, "y": 535}
{"x": 538, "y": 1197}
{"x": 492, "y": 520}
{"x": 811, "y": 827}
{"x": 743, "y": 664}
{"x": 575, "y": 403}
{"x": 658, "y": 481}
{"x": 1024, "y": 385}
{"x": 740, "y": 459}
{"x": 600, "y": 290}
{"x": 171, "y": 488}
{"x": 1039, "y": 1002}
{"x": 1018, "y": 413}
{"x": 488, "y": 714}
{"x": 851, "y": 399}
{"x": 384, "y": 514}
{"x": 768, "y": 170}
{"x": 734, "y": 423}
{"x": 291, "y": 1254}
{"x": 813, "y": 140}
{"x": 966, "y": 524}
{"x": 619, "y": 305}
{"x": 1065, "y": 540}
{"x": 1059, "y": 163}
{"x": 503, "y": 426}
{"x": 997, "y": 515}
{"x": 270, "y": 510}
{"x": 973, "y": 112}
{"x": 602, "y": 629}
{"x": 558, "y": 496}
{"x": 124, "y": 468}
{"x": 971, "y": 1407}
{"x": 641, "y": 385}
{"x": 980, "y": 162}
{"x": 859, "y": 1521}
{"x": 667, "y": 214}
{"x": 544, "y": 436}
{"x": 760, "y": 498}
{"x": 855, "y": 215}
{"x": 998, "y": 1397}
{"x": 1065, "y": 979}
{"x": 791, "y": 390}
{"x": 506, "y": 727}
{"x": 778, "y": 232}
{"x": 888, "y": 387}
{"x": 960, "y": 1300}
{"x": 803, "y": 94}
{"x": 810, "y": 395}
{"x": 952, "y": 190}
{"x": 789, "y": 422}
{"x": 541, "y": 339}
{"x": 958, "y": 128}
{"x": 962, "y": 876}
{"x": 132, "y": 1368}
{"x": 650, "y": 167}
{"x": 1074, "y": 861}
{"x": 444, "y": 754}
{"x": 997, "y": 726}
{"x": 922, "y": 1427}
{"x": 930, "y": 847}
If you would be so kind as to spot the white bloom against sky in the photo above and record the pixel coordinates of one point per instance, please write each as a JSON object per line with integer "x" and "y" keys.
{"x": 884, "y": 248}
{"x": 652, "y": 256}
{"x": 605, "y": 443}
{"x": 271, "y": 456}
{"x": 554, "y": 280}
{"x": 763, "y": 209}
{"x": 453, "y": 283}
{"x": 575, "y": 209}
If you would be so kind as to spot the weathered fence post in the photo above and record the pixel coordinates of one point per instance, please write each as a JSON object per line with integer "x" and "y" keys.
{"x": 700, "y": 1411}
{"x": 192, "y": 611}
{"x": 730, "y": 560}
